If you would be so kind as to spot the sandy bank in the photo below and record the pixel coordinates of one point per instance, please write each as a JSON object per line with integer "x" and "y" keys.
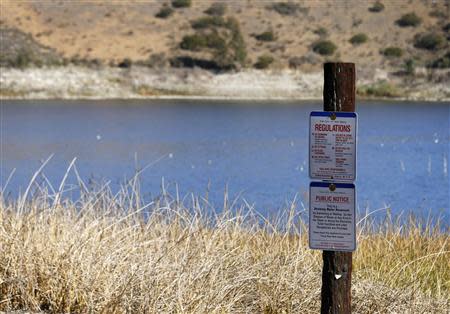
{"x": 140, "y": 82}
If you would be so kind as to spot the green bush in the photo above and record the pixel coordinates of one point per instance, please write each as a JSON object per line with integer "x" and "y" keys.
{"x": 324, "y": 47}
{"x": 392, "y": 52}
{"x": 221, "y": 38}
{"x": 215, "y": 41}
{"x": 181, "y": 3}
{"x": 198, "y": 41}
{"x": 266, "y": 36}
{"x": 237, "y": 44}
{"x": 359, "y": 39}
{"x": 217, "y": 9}
{"x": 164, "y": 12}
{"x": 429, "y": 41}
{"x": 441, "y": 63}
{"x": 321, "y": 31}
{"x": 208, "y": 21}
{"x": 377, "y": 7}
{"x": 409, "y": 66}
{"x": 409, "y": 19}
{"x": 23, "y": 59}
{"x": 264, "y": 62}
{"x": 287, "y": 8}
{"x": 193, "y": 42}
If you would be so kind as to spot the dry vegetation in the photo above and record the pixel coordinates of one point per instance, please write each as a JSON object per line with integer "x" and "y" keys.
{"x": 115, "y": 253}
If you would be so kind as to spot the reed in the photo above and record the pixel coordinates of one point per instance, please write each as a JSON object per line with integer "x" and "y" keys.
{"x": 111, "y": 252}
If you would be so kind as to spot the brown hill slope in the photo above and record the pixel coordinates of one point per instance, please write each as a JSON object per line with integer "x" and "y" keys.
{"x": 114, "y": 30}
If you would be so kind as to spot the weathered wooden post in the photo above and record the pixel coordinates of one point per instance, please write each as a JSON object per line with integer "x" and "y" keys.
{"x": 338, "y": 95}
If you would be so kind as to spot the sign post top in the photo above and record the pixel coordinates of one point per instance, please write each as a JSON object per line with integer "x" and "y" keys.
{"x": 342, "y": 114}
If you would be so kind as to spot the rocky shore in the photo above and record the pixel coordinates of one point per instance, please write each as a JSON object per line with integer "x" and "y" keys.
{"x": 75, "y": 82}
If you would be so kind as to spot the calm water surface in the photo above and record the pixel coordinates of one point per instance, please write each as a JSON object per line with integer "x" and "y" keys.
{"x": 259, "y": 149}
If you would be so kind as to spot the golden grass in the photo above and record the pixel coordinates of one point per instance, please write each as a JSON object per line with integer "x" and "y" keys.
{"x": 115, "y": 254}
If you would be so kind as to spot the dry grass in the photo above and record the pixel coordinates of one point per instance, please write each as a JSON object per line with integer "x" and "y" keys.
{"x": 113, "y": 253}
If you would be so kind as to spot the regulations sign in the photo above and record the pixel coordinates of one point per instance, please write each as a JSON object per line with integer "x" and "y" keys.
{"x": 332, "y": 146}
{"x": 332, "y": 216}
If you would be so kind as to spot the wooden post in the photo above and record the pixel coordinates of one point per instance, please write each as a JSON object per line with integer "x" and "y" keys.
{"x": 338, "y": 95}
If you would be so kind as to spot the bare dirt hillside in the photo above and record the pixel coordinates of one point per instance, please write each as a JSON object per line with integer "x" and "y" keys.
{"x": 112, "y": 31}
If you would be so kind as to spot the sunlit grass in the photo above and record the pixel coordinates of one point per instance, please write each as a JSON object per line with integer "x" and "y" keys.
{"x": 111, "y": 253}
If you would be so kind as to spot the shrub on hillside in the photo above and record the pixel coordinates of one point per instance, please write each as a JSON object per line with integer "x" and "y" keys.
{"x": 237, "y": 44}
{"x": 409, "y": 19}
{"x": 193, "y": 42}
{"x": 181, "y": 3}
{"x": 217, "y": 9}
{"x": 409, "y": 67}
{"x": 197, "y": 42}
{"x": 377, "y": 7}
{"x": 265, "y": 36}
{"x": 164, "y": 12}
{"x": 429, "y": 41}
{"x": 23, "y": 59}
{"x": 221, "y": 39}
{"x": 441, "y": 63}
{"x": 324, "y": 47}
{"x": 264, "y": 62}
{"x": 208, "y": 21}
{"x": 287, "y": 8}
{"x": 359, "y": 39}
{"x": 392, "y": 52}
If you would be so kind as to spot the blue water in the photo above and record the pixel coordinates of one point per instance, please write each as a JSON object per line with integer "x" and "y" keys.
{"x": 256, "y": 149}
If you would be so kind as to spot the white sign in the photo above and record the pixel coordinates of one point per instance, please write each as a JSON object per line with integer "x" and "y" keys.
{"x": 332, "y": 216}
{"x": 332, "y": 146}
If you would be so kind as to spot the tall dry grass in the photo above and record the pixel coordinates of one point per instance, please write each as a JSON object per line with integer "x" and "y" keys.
{"x": 115, "y": 253}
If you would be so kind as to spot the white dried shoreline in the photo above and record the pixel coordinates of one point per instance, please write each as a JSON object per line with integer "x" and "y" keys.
{"x": 75, "y": 82}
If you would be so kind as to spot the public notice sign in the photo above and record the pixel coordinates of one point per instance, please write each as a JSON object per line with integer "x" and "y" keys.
{"x": 332, "y": 216}
{"x": 332, "y": 146}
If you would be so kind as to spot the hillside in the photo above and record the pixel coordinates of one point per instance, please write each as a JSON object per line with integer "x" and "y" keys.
{"x": 111, "y": 31}
{"x": 238, "y": 34}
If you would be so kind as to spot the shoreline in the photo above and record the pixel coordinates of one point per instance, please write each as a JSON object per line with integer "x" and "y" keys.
{"x": 223, "y": 98}
{"x": 140, "y": 83}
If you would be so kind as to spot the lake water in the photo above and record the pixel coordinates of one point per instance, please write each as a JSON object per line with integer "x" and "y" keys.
{"x": 259, "y": 150}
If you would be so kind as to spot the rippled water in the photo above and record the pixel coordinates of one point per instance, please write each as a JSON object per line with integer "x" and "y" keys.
{"x": 258, "y": 149}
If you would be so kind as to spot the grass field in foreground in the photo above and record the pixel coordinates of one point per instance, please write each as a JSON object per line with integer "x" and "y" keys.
{"x": 99, "y": 254}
